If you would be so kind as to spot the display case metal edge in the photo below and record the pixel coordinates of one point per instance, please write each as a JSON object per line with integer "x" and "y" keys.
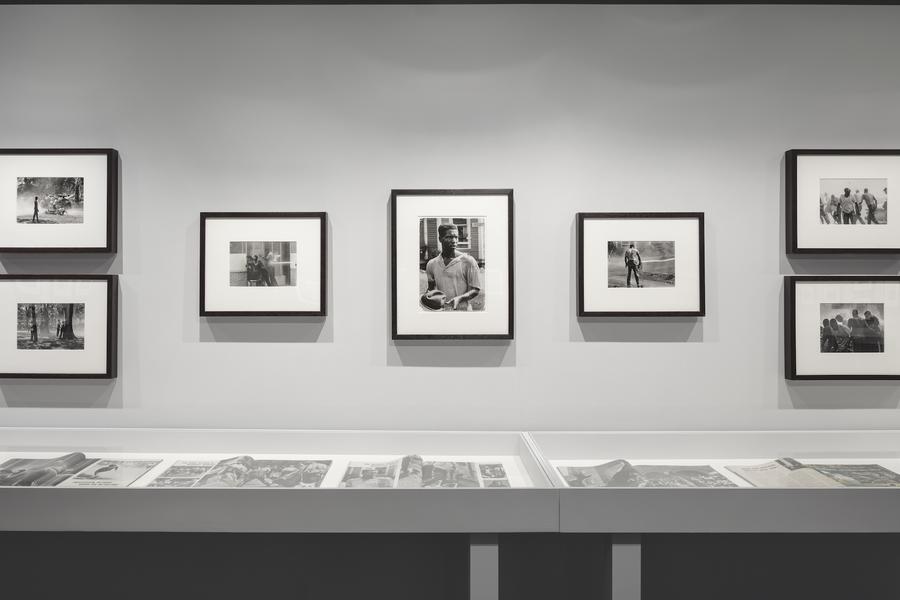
{"x": 579, "y": 263}
{"x": 508, "y": 192}
{"x": 321, "y": 510}
{"x": 728, "y": 510}
{"x": 112, "y": 326}
{"x": 790, "y": 341}
{"x": 323, "y": 266}
{"x": 112, "y": 200}
{"x": 790, "y": 199}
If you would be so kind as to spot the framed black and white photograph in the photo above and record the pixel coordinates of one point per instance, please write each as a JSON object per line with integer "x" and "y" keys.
{"x": 58, "y": 326}
{"x": 640, "y": 264}
{"x": 837, "y": 201}
{"x": 262, "y": 264}
{"x": 842, "y": 327}
{"x": 452, "y": 264}
{"x": 60, "y": 200}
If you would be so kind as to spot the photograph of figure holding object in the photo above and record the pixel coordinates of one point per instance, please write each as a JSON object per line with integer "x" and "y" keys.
{"x": 452, "y": 279}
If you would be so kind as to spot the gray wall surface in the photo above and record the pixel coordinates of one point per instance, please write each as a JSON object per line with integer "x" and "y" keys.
{"x": 578, "y": 108}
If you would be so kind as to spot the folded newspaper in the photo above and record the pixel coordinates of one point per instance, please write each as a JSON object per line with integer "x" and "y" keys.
{"x": 621, "y": 473}
{"x": 791, "y": 473}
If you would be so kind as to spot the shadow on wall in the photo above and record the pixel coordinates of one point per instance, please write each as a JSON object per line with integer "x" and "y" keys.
{"x": 839, "y": 395}
{"x": 829, "y": 395}
{"x": 253, "y": 330}
{"x": 627, "y": 329}
{"x": 451, "y": 353}
{"x": 71, "y": 393}
{"x": 637, "y": 329}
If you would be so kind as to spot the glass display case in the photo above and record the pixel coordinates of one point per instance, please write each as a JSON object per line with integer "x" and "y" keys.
{"x": 728, "y": 481}
{"x": 273, "y": 480}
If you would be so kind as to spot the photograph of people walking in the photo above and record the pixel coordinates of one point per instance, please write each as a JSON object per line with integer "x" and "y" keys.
{"x": 853, "y": 201}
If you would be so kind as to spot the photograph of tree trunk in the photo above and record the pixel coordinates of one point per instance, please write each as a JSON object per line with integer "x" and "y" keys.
{"x": 50, "y": 326}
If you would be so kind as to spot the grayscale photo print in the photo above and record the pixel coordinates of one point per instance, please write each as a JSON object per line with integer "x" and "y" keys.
{"x": 451, "y": 263}
{"x": 851, "y": 327}
{"x": 50, "y": 326}
{"x": 49, "y": 200}
{"x": 263, "y": 264}
{"x": 641, "y": 264}
{"x": 853, "y": 201}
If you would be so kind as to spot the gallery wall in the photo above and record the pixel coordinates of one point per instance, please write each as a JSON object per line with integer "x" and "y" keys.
{"x": 577, "y": 108}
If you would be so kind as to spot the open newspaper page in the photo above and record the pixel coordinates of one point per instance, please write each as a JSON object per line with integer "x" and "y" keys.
{"x": 410, "y": 472}
{"x": 783, "y": 473}
{"x": 449, "y": 474}
{"x": 183, "y": 474}
{"x": 110, "y": 473}
{"x": 621, "y": 473}
{"x": 859, "y": 475}
{"x": 493, "y": 475}
{"x": 42, "y": 471}
{"x": 370, "y": 474}
{"x": 245, "y": 471}
{"x": 418, "y": 473}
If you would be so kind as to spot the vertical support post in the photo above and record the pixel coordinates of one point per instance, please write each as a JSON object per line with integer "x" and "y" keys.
{"x": 484, "y": 567}
{"x": 626, "y": 567}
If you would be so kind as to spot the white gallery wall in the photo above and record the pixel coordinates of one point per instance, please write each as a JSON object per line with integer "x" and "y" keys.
{"x": 577, "y": 108}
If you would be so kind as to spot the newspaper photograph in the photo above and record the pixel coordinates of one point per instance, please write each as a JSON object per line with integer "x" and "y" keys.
{"x": 110, "y": 473}
{"x": 182, "y": 474}
{"x": 48, "y": 472}
{"x": 791, "y": 473}
{"x": 783, "y": 473}
{"x": 871, "y": 475}
{"x": 621, "y": 473}
{"x": 410, "y": 472}
{"x": 447, "y": 474}
{"x": 370, "y": 475}
{"x": 245, "y": 471}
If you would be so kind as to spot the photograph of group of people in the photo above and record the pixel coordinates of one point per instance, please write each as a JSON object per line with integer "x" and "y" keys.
{"x": 263, "y": 264}
{"x": 853, "y": 201}
{"x": 852, "y": 327}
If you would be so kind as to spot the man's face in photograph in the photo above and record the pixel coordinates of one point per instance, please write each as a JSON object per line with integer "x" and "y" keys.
{"x": 450, "y": 239}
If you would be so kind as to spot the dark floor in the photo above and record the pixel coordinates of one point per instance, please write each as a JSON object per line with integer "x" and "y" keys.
{"x": 771, "y": 567}
{"x": 125, "y": 566}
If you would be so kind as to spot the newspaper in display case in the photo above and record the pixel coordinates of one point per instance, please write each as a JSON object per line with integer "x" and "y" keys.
{"x": 370, "y": 475}
{"x": 110, "y": 473}
{"x": 183, "y": 474}
{"x": 621, "y": 473}
{"x": 414, "y": 472}
{"x": 791, "y": 473}
{"x": 245, "y": 471}
{"x": 42, "y": 472}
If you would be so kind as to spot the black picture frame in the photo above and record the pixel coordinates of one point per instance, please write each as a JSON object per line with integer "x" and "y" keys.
{"x": 790, "y": 326}
{"x": 112, "y": 326}
{"x": 792, "y": 241}
{"x": 322, "y": 217}
{"x": 582, "y": 217}
{"x": 508, "y": 192}
{"x": 112, "y": 199}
